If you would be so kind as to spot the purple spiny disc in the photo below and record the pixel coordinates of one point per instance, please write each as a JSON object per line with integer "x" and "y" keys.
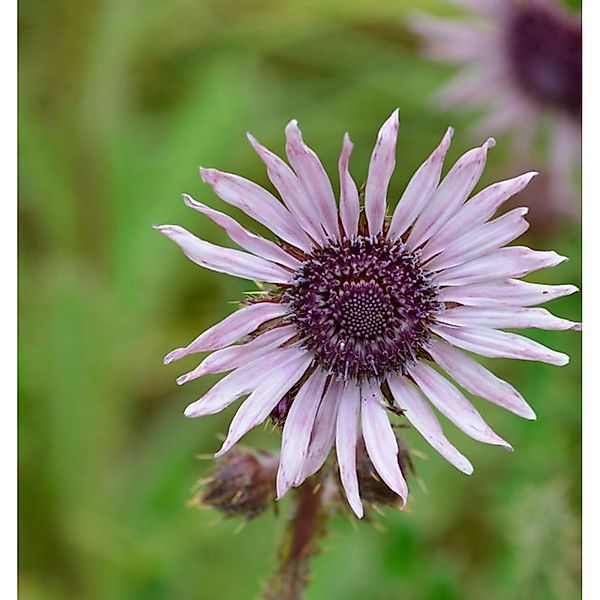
{"x": 363, "y": 307}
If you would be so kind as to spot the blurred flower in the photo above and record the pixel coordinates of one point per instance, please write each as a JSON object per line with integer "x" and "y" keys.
{"x": 358, "y": 300}
{"x": 522, "y": 59}
{"x": 242, "y": 483}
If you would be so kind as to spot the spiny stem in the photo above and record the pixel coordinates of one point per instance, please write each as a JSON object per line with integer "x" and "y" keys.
{"x": 299, "y": 542}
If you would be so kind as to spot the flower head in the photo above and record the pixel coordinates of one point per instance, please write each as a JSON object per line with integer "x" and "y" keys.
{"x": 522, "y": 60}
{"x": 367, "y": 316}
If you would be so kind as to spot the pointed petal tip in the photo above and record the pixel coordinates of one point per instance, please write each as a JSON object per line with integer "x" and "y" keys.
{"x": 189, "y": 412}
{"x": 222, "y": 451}
{"x": 207, "y": 175}
{"x": 292, "y": 124}
{"x": 189, "y": 201}
{"x": 577, "y": 327}
{"x": 468, "y": 468}
{"x": 173, "y": 355}
{"x": 357, "y": 509}
{"x": 489, "y": 143}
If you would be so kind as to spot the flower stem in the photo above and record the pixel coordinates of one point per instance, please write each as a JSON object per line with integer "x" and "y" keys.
{"x": 299, "y": 543}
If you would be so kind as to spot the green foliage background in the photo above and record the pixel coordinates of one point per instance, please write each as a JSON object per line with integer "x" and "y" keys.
{"x": 120, "y": 101}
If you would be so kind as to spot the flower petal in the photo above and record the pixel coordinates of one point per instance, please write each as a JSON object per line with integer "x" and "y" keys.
{"x": 249, "y": 241}
{"x": 264, "y": 398}
{"x": 346, "y": 436}
{"x": 297, "y": 429}
{"x": 323, "y": 434}
{"x": 476, "y": 211}
{"x": 230, "y": 329}
{"x": 233, "y": 357}
{"x": 224, "y": 260}
{"x": 499, "y": 344}
{"x": 259, "y": 204}
{"x": 514, "y": 261}
{"x": 381, "y": 167}
{"x": 420, "y": 414}
{"x": 380, "y": 439}
{"x": 510, "y": 317}
{"x": 419, "y": 189}
{"x": 512, "y": 292}
{"x": 480, "y": 241}
{"x": 477, "y": 380}
{"x": 315, "y": 180}
{"x": 242, "y": 381}
{"x": 451, "y": 403}
{"x": 450, "y": 195}
{"x": 292, "y": 191}
{"x": 450, "y": 40}
{"x": 349, "y": 204}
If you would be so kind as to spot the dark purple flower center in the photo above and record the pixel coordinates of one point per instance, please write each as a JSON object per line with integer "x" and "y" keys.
{"x": 544, "y": 50}
{"x": 363, "y": 307}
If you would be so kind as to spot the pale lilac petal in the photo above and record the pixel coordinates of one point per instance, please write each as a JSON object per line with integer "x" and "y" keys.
{"x": 419, "y": 189}
{"x": 244, "y": 238}
{"x": 506, "y": 317}
{"x": 450, "y": 195}
{"x": 315, "y": 180}
{"x": 476, "y": 211}
{"x": 477, "y": 380}
{"x": 380, "y": 439}
{"x": 256, "y": 408}
{"x": 473, "y": 85}
{"x": 450, "y": 40}
{"x": 257, "y": 203}
{"x": 381, "y": 167}
{"x": 480, "y": 241}
{"x": 292, "y": 191}
{"x": 512, "y": 293}
{"x": 499, "y": 344}
{"x": 514, "y": 261}
{"x": 323, "y": 435}
{"x": 346, "y": 437}
{"x": 224, "y": 260}
{"x": 230, "y": 329}
{"x": 349, "y": 204}
{"x": 297, "y": 430}
{"x": 235, "y": 356}
{"x": 421, "y": 416}
{"x": 452, "y": 404}
{"x": 238, "y": 383}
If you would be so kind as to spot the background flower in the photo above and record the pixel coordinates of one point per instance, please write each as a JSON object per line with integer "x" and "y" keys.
{"x": 520, "y": 61}
{"x": 120, "y": 102}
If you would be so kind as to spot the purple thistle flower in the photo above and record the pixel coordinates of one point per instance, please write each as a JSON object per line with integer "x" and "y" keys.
{"x": 368, "y": 315}
{"x": 522, "y": 61}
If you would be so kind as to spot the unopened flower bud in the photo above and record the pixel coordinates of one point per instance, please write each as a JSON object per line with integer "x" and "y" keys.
{"x": 242, "y": 484}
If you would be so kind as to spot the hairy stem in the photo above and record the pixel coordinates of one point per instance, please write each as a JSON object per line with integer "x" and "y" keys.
{"x": 299, "y": 543}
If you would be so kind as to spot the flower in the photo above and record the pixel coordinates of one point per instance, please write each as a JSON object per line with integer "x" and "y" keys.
{"x": 522, "y": 59}
{"x": 362, "y": 308}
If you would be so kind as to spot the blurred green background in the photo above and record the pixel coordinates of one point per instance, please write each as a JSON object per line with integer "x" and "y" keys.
{"x": 120, "y": 102}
